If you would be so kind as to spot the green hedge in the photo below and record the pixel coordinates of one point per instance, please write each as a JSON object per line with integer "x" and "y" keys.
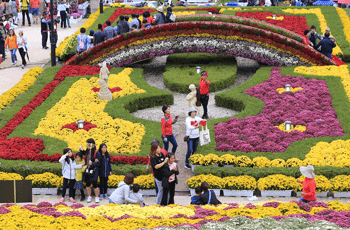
{"x": 249, "y": 106}
{"x": 117, "y": 108}
{"x": 25, "y": 168}
{"x": 258, "y": 173}
{"x": 180, "y": 71}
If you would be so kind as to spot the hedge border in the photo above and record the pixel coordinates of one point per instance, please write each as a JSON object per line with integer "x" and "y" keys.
{"x": 257, "y": 173}
{"x": 175, "y": 82}
{"x": 249, "y": 106}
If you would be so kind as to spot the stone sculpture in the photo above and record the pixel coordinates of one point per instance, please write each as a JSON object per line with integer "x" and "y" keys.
{"x": 104, "y": 93}
{"x": 191, "y": 98}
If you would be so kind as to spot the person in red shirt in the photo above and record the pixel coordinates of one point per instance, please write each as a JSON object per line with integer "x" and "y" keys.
{"x": 167, "y": 130}
{"x": 204, "y": 93}
{"x": 309, "y": 184}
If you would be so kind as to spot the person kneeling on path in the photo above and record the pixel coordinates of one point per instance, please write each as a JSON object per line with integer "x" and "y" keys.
{"x": 309, "y": 184}
{"x": 121, "y": 194}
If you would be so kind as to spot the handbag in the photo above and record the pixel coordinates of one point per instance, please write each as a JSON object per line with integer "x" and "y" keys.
{"x": 90, "y": 172}
{"x": 172, "y": 17}
{"x": 187, "y": 138}
{"x": 198, "y": 103}
{"x": 204, "y": 136}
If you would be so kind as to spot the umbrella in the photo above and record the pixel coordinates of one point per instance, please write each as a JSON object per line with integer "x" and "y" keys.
{"x": 324, "y": 3}
{"x": 233, "y": 4}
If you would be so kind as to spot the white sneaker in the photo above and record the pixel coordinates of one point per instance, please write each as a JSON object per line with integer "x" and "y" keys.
{"x": 89, "y": 199}
{"x": 97, "y": 200}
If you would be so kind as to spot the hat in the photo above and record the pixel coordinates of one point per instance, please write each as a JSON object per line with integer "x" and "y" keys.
{"x": 160, "y": 9}
{"x": 192, "y": 86}
{"x": 20, "y": 31}
{"x": 66, "y": 150}
{"x": 192, "y": 110}
{"x": 90, "y": 141}
{"x": 308, "y": 171}
{"x": 328, "y": 29}
{"x": 154, "y": 141}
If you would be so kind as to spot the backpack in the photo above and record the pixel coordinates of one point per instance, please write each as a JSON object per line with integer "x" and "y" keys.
{"x": 172, "y": 17}
{"x": 81, "y": 43}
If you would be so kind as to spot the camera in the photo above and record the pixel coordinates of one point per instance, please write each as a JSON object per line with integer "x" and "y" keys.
{"x": 58, "y": 20}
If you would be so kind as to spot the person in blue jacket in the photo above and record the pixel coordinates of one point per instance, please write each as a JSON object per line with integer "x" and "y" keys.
{"x": 327, "y": 45}
{"x": 105, "y": 170}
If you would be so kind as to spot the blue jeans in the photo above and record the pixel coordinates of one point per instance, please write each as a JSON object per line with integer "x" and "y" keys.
{"x": 192, "y": 146}
{"x": 13, "y": 55}
{"x": 160, "y": 190}
{"x": 303, "y": 200}
{"x": 329, "y": 55}
{"x": 156, "y": 187}
{"x": 172, "y": 140}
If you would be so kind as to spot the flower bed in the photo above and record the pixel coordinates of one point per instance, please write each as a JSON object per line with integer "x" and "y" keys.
{"x": 82, "y": 103}
{"x": 257, "y": 133}
{"x": 296, "y": 24}
{"x": 47, "y": 215}
{"x": 156, "y": 42}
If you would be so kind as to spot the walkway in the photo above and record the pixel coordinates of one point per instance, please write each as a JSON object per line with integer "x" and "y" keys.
{"x": 10, "y": 75}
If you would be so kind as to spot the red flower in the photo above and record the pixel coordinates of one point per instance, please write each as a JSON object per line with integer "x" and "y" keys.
{"x": 74, "y": 126}
{"x": 115, "y": 89}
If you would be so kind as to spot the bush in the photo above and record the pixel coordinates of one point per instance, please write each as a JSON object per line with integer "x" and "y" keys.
{"x": 180, "y": 71}
{"x": 257, "y": 173}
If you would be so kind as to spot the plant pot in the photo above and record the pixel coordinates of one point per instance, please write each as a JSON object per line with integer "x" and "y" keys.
{"x": 44, "y": 191}
{"x": 238, "y": 193}
{"x": 229, "y": 166}
{"x": 193, "y": 167}
{"x": 216, "y": 191}
{"x": 342, "y": 194}
{"x": 272, "y": 193}
{"x": 318, "y": 194}
{"x": 148, "y": 192}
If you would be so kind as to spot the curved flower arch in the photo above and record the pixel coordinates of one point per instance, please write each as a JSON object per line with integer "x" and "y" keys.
{"x": 202, "y": 37}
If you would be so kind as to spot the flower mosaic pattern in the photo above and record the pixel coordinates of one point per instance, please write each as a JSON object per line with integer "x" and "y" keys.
{"x": 310, "y": 107}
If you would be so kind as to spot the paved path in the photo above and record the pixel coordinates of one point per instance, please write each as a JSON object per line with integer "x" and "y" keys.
{"x": 10, "y": 75}
{"x": 153, "y": 73}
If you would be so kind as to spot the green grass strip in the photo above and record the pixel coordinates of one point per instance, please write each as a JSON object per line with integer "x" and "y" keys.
{"x": 180, "y": 71}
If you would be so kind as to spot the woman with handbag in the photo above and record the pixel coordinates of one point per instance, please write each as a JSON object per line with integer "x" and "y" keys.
{"x": 193, "y": 123}
{"x": 92, "y": 160}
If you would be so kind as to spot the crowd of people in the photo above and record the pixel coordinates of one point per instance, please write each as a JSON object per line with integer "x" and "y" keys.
{"x": 85, "y": 42}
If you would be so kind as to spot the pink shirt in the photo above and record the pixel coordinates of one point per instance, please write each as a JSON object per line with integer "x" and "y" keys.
{"x": 172, "y": 177}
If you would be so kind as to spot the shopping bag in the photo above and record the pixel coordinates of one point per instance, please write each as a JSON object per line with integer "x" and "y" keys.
{"x": 204, "y": 136}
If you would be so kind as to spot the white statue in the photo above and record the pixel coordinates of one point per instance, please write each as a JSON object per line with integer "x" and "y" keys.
{"x": 104, "y": 93}
{"x": 191, "y": 98}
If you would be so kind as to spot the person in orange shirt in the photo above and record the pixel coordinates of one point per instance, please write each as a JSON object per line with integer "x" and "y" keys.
{"x": 204, "y": 93}
{"x": 35, "y": 10}
{"x": 11, "y": 42}
{"x": 309, "y": 184}
{"x": 167, "y": 130}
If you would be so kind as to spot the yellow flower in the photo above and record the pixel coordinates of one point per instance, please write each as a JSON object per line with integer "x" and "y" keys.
{"x": 119, "y": 135}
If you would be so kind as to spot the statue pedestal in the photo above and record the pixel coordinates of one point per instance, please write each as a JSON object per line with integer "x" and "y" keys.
{"x": 105, "y": 96}
{"x": 94, "y": 5}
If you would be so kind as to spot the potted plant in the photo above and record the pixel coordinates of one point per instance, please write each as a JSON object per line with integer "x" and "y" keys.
{"x": 227, "y": 160}
{"x": 341, "y": 186}
{"x": 147, "y": 185}
{"x": 195, "y": 160}
{"x": 277, "y": 185}
{"x": 215, "y": 183}
{"x": 239, "y": 186}
{"x": 45, "y": 184}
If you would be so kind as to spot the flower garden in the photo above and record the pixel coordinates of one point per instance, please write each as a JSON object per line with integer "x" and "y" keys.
{"x": 252, "y": 151}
